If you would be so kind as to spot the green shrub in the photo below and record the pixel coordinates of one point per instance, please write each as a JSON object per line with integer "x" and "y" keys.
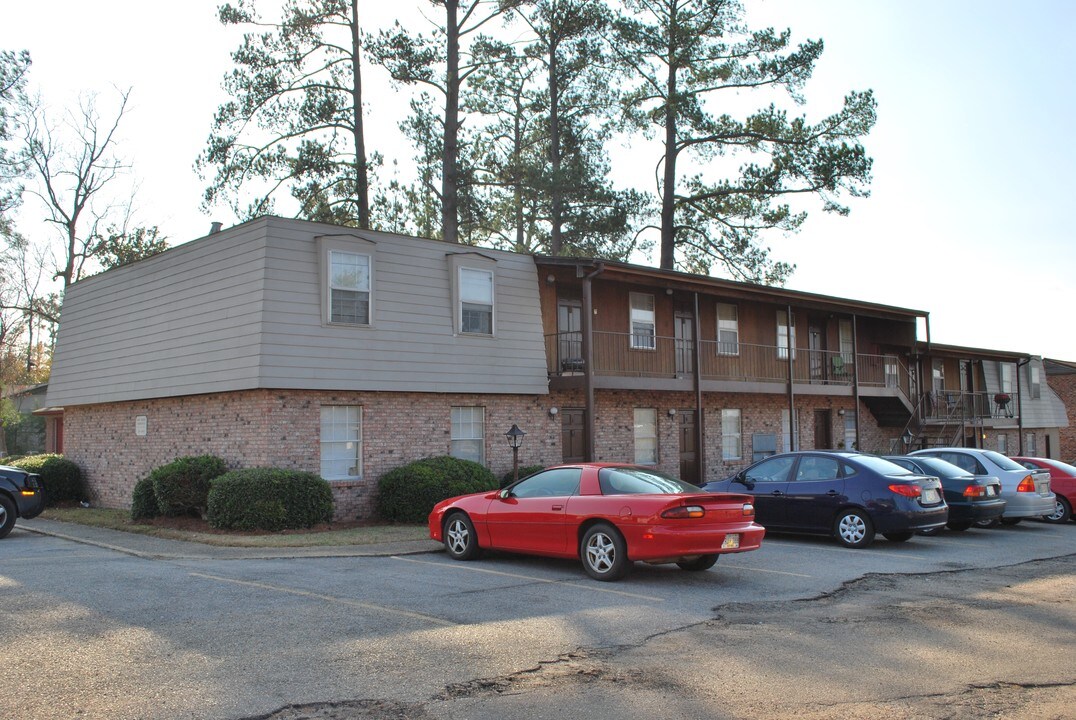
{"x": 524, "y": 470}
{"x": 269, "y": 499}
{"x": 408, "y": 493}
{"x": 144, "y": 501}
{"x": 182, "y": 486}
{"x": 61, "y": 477}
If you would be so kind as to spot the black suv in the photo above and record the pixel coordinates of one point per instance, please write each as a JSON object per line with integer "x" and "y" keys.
{"x": 21, "y": 495}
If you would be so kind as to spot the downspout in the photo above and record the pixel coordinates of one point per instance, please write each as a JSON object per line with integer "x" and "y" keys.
{"x": 700, "y": 414}
{"x": 855, "y": 375}
{"x": 588, "y": 358}
{"x": 1020, "y": 404}
{"x": 791, "y": 393}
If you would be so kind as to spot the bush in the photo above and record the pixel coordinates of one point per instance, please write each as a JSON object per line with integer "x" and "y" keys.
{"x": 524, "y": 471}
{"x": 61, "y": 477}
{"x": 144, "y": 501}
{"x": 182, "y": 486}
{"x": 408, "y": 493}
{"x": 269, "y": 499}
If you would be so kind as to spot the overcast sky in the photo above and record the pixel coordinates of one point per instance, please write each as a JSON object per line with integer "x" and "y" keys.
{"x": 973, "y": 149}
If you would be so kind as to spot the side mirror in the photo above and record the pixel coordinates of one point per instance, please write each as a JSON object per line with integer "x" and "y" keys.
{"x": 745, "y": 481}
{"x": 506, "y": 493}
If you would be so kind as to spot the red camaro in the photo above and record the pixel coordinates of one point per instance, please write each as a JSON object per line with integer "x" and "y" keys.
{"x": 608, "y": 515}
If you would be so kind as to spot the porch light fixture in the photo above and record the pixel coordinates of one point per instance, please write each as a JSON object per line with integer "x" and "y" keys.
{"x": 552, "y": 412}
{"x": 515, "y": 439}
{"x": 907, "y": 438}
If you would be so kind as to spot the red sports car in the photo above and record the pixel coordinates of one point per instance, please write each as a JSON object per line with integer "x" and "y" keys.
{"x": 1062, "y": 483}
{"x": 606, "y": 514}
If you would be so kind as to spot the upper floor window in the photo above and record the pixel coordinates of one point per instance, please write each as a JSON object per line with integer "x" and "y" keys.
{"x": 476, "y": 301}
{"x": 844, "y": 328}
{"x": 349, "y": 288}
{"x": 786, "y": 334}
{"x": 643, "y": 324}
{"x": 1006, "y": 377}
{"x": 1036, "y": 384}
{"x": 728, "y": 329}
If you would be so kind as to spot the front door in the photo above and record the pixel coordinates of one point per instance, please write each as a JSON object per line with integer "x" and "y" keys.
{"x": 823, "y": 430}
{"x": 689, "y": 455}
{"x": 685, "y": 342}
{"x": 573, "y": 430}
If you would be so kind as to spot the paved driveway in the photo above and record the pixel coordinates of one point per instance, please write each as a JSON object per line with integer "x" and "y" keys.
{"x": 94, "y": 632}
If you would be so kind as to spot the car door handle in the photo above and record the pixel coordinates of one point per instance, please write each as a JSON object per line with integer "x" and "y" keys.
{"x": 558, "y": 507}
{"x": 832, "y": 493}
{"x": 777, "y": 492}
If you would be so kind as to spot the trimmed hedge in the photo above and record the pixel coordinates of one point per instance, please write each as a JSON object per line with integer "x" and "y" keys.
{"x": 269, "y": 499}
{"x": 144, "y": 501}
{"x": 182, "y": 486}
{"x": 61, "y": 477}
{"x": 524, "y": 471}
{"x": 408, "y": 493}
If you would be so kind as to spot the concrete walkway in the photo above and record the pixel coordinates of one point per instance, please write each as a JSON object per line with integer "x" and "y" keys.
{"x": 156, "y": 548}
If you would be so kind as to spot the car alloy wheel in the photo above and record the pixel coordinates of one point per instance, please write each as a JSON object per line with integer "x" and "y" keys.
{"x": 7, "y": 516}
{"x": 1062, "y": 512}
{"x": 460, "y": 540}
{"x": 605, "y": 555}
{"x": 854, "y": 529}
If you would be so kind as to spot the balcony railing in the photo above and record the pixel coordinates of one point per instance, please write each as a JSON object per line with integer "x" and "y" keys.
{"x": 946, "y": 404}
{"x": 634, "y": 355}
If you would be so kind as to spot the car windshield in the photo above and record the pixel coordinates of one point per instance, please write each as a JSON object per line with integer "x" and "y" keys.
{"x": 879, "y": 465}
{"x": 640, "y": 481}
{"x": 1001, "y": 461}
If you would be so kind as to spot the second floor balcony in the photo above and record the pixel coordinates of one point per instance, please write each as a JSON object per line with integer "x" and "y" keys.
{"x": 657, "y": 358}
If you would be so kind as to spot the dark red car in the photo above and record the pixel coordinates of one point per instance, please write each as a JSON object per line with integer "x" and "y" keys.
{"x": 1062, "y": 483}
{"x": 608, "y": 515}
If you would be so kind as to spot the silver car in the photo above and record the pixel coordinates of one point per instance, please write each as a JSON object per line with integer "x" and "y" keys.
{"x": 1026, "y": 492}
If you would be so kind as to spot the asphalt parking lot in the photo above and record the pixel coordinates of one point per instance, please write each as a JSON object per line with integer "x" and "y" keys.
{"x": 94, "y": 631}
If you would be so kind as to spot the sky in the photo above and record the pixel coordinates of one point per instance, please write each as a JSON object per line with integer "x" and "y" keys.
{"x": 973, "y": 152}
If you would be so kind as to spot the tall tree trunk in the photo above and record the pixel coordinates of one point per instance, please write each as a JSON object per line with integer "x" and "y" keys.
{"x": 556, "y": 243}
{"x": 668, "y": 190}
{"x": 362, "y": 180}
{"x": 517, "y": 169}
{"x": 450, "y": 157}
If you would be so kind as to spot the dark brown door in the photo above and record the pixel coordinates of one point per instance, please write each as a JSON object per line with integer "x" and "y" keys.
{"x": 689, "y": 455}
{"x": 573, "y": 430}
{"x": 823, "y": 430}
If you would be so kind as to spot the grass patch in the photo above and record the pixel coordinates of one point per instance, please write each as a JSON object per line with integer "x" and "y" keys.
{"x": 196, "y": 530}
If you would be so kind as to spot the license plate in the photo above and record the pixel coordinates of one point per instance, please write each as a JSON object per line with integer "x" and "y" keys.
{"x": 991, "y": 490}
{"x": 731, "y": 542}
{"x": 930, "y": 496}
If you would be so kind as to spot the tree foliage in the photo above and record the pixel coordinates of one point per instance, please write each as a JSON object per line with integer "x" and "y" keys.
{"x": 686, "y": 55}
{"x": 14, "y": 67}
{"x": 295, "y": 118}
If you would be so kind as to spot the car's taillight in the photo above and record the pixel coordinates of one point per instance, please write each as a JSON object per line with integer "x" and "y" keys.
{"x": 684, "y": 511}
{"x": 975, "y": 491}
{"x": 912, "y": 491}
{"x": 1026, "y": 485}
{"x": 748, "y": 510}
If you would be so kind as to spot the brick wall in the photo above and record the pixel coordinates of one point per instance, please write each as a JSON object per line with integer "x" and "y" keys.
{"x": 1065, "y": 387}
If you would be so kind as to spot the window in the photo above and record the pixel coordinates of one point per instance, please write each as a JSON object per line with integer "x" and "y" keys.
{"x": 559, "y": 482}
{"x": 634, "y": 481}
{"x": 1036, "y": 384}
{"x": 850, "y": 430}
{"x": 938, "y": 374}
{"x": 728, "y": 329}
{"x": 1006, "y": 377}
{"x": 341, "y": 442}
{"x": 785, "y": 439}
{"x": 763, "y": 445}
{"x": 469, "y": 433}
{"x": 642, "y": 321}
{"x": 646, "y": 436}
{"x": 349, "y": 288}
{"x": 892, "y": 371}
{"x": 784, "y": 331}
{"x": 731, "y": 434}
{"x": 775, "y": 470}
{"x": 818, "y": 468}
{"x": 476, "y": 301}
{"x": 1031, "y": 445}
{"x": 1003, "y": 444}
{"x": 844, "y": 328}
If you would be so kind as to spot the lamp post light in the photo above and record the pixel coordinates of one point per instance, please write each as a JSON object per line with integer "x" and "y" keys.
{"x": 515, "y": 439}
{"x": 906, "y": 438}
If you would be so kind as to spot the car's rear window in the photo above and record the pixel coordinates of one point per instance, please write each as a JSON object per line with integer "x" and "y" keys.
{"x": 1070, "y": 469}
{"x": 640, "y": 481}
{"x": 878, "y": 465}
{"x": 942, "y": 467}
{"x": 1003, "y": 462}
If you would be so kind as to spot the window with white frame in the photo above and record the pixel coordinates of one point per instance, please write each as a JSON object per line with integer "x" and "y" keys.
{"x": 341, "y": 442}
{"x": 786, "y": 445}
{"x": 643, "y": 324}
{"x": 786, "y": 331}
{"x": 850, "y": 430}
{"x": 844, "y": 329}
{"x": 728, "y": 329}
{"x": 349, "y": 288}
{"x": 646, "y": 436}
{"x": 469, "y": 433}
{"x": 1006, "y": 377}
{"x": 938, "y": 375}
{"x": 1031, "y": 445}
{"x": 1003, "y": 444}
{"x": 476, "y": 301}
{"x": 1036, "y": 384}
{"x": 731, "y": 434}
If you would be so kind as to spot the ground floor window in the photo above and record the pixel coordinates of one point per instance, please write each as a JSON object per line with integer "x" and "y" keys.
{"x": 469, "y": 433}
{"x": 850, "y": 430}
{"x": 341, "y": 442}
{"x": 1031, "y": 446}
{"x": 731, "y": 434}
{"x": 1003, "y": 444}
{"x": 646, "y": 436}
{"x": 790, "y": 432}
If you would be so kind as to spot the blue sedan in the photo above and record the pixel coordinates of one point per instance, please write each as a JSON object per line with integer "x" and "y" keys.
{"x": 848, "y": 495}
